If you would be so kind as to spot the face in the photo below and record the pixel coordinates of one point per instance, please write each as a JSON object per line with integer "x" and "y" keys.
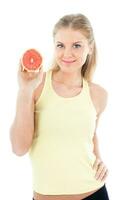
{"x": 71, "y": 49}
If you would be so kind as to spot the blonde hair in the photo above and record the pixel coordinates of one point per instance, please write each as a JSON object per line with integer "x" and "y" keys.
{"x": 81, "y": 23}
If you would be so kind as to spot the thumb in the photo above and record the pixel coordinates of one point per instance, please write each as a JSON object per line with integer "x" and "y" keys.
{"x": 96, "y": 163}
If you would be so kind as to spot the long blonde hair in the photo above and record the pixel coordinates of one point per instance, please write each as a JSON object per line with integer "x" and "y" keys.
{"x": 81, "y": 23}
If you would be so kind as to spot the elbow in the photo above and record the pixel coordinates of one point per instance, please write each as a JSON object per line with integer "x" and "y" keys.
{"x": 21, "y": 144}
{"x": 19, "y": 151}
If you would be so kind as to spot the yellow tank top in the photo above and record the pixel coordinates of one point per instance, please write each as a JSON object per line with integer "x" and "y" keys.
{"x": 62, "y": 151}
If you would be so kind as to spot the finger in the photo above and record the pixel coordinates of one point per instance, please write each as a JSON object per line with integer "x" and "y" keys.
{"x": 102, "y": 173}
{"x": 20, "y": 71}
{"x": 105, "y": 176}
{"x": 21, "y": 68}
{"x": 96, "y": 163}
{"x": 101, "y": 167}
{"x": 38, "y": 72}
{"x": 31, "y": 75}
{"x": 41, "y": 70}
{"x": 35, "y": 74}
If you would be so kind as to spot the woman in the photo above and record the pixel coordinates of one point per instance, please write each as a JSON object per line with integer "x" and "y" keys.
{"x": 56, "y": 118}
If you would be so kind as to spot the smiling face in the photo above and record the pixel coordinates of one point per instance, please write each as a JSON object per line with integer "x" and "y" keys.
{"x": 71, "y": 49}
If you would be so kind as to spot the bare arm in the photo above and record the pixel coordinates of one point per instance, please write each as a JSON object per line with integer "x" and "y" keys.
{"x": 96, "y": 147}
{"x": 99, "y": 97}
{"x": 101, "y": 102}
{"x": 22, "y": 129}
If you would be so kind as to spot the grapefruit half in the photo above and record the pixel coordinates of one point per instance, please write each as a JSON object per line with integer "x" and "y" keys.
{"x": 31, "y": 60}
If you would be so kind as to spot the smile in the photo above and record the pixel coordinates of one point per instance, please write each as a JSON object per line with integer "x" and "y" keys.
{"x": 68, "y": 61}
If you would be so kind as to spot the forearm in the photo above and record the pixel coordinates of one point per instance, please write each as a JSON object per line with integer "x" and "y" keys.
{"x": 22, "y": 129}
{"x": 96, "y": 147}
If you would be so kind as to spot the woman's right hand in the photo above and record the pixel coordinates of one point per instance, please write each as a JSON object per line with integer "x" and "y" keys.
{"x": 29, "y": 80}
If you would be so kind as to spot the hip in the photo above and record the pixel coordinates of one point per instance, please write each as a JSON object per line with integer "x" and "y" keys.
{"x": 99, "y": 194}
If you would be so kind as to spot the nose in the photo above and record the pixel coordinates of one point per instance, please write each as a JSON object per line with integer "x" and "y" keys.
{"x": 67, "y": 52}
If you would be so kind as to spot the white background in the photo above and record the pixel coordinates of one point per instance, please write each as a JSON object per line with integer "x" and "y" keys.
{"x": 29, "y": 23}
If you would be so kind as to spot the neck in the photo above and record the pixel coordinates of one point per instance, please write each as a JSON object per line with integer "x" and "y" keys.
{"x": 68, "y": 79}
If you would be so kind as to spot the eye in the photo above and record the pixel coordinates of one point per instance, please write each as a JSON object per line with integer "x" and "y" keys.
{"x": 59, "y": 45}
{"x": 77, "y": 46}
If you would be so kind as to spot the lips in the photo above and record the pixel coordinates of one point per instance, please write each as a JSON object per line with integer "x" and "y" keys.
{"x": 68, "y": 61}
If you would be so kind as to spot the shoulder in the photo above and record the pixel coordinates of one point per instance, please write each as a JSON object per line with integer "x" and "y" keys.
{"x": 99, "y": 96}
{"x": 40, "y": 87}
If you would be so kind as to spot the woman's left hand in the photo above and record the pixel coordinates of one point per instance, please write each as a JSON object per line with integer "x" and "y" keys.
{"x": 101, "y": 170}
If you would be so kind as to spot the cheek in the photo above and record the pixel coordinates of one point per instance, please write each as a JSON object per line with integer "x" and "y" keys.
{"x": 83, "y": 57}
{"x": 57, "y": 54}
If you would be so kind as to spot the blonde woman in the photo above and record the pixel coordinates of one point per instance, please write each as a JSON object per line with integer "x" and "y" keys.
{"x": 57, "y": 115}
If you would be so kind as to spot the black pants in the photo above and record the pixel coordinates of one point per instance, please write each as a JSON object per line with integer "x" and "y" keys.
{"x": 100, "y": 194}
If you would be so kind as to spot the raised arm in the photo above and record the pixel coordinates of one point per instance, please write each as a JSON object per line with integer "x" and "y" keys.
{"x": 22, "y": 129}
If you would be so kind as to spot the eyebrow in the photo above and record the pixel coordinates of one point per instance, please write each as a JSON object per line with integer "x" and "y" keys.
{"x": 73, "y": 42}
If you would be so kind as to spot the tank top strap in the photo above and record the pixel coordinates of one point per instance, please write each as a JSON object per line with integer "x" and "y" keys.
{"x": 50, "y": 71}
{"x": 45, "y": 89}
{"x": 48, "y": 78}
{"x": 47, "y": 83}
{"x": 86, "y": 88}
